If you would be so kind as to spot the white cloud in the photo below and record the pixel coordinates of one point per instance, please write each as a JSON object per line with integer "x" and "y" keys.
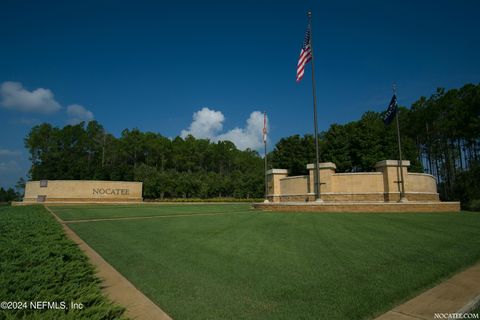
{"x": 9, "y": 166}
{"x": 9, "y": 153}
{"x": 15, "y": 96}
{"x": 78, "y": 113}
{"x": 248, "y": 137}
{"x": 207, "y": 124}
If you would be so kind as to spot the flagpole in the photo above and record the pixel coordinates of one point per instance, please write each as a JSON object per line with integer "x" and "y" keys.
{"x": 318, "y": 197}
{"x": 400, "y": 162}
{"x": 265, "y": 154}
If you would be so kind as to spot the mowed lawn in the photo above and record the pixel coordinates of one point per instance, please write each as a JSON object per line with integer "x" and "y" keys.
{"x": 259, "y": 265}
{"x": 86, "y": 212}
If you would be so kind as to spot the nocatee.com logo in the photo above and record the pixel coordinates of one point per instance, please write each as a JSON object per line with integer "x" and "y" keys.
{"x": 456, "y": 315}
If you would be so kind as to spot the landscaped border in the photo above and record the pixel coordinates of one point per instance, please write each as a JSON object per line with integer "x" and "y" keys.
{"x": 40, "y": 264}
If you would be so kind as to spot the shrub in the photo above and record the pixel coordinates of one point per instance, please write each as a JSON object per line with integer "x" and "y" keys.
{"x": 39, "y": 263}
{"x": 474, "y": 205}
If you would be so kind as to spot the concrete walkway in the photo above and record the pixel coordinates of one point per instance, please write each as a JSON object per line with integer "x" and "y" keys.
{"x": 459, "y": 294}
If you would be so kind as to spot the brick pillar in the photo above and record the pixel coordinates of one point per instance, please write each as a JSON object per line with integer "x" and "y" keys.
{"x": 392, "y": 178}
{"x": 327, "y": 169}
{"x": 273, "y": 178}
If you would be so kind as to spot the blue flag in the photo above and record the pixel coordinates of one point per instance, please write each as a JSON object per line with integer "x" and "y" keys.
{"x": 391, "y": 111}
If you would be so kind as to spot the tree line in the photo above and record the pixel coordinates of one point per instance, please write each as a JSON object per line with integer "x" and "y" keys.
{"x": 446, "y": 131}
{"x": 353, "y": 147}
{"x": 440, "y": 135}
{"x": 8, "y": 195}
{"x": 169, "y": 168}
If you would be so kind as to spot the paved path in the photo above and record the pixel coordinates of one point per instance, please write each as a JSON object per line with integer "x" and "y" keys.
{"x": 116, "y": 286}
{"x": 459, "y": 294}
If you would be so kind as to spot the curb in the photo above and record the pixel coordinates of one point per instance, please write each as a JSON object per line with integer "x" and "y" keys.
{"x": 459, "y": 294}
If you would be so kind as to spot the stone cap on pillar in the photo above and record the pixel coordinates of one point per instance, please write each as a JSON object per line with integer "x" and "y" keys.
{"x": 392, "y": 163}
{"x": 322, "y": 165}
{"x": 277, "y": 171}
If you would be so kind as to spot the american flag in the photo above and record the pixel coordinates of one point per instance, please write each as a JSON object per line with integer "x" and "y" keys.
{"x": 305, "y": 55}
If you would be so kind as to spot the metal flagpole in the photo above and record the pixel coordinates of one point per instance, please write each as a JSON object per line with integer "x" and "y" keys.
{"x": 317, "y": 158}
{"x": 400, "y": 162}
{"x": 265, "y": 157}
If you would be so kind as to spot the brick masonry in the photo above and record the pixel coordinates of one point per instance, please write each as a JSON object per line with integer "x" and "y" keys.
{"x": 361, "y": 207}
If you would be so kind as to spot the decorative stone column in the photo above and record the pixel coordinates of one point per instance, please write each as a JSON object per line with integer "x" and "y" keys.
{"x": 273, "y": 179}
{"x": 327, "y": 169}
{"x": 392, "y": 178}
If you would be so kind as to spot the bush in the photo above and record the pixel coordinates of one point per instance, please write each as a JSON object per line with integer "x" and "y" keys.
{"x": 474, "y": 205}
{"x": 39, "y": 263}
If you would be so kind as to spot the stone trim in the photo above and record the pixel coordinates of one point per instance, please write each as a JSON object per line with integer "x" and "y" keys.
{"x": 373, "y": 197}
{"x": 294, "y": 177}
{"x": 392, "y": 163}
{"x": 322, "y": 165}
{"x": 88, "y": 181}
{"x": 368, "y": 207}
{"x": 421, "y": 174}
{"x": 417, "y": 192}
{"x": 289, "y": 195}
{"x": 358, "y": 173}
{"x": 350, "y": 193}
{"x": 277, "y": 171}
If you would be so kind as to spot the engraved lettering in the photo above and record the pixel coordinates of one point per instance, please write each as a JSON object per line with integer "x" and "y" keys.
{"x": 109, "y": 191}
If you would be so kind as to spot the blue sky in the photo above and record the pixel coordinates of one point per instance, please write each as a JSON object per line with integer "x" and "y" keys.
{"x": 153, "y": 65}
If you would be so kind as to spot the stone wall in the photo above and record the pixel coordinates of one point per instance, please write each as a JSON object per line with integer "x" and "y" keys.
{"x": 294, "y": 185}
{"x": 383, "y": 185}
{"x": 66, "y": 191}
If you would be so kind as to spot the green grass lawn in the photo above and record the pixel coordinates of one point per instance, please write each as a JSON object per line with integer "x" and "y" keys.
{"x": 477, "y": 310}
{"x": 85, "y": 212}
{"x": 259, "y": 265}
{"x": 38, "y": 263}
